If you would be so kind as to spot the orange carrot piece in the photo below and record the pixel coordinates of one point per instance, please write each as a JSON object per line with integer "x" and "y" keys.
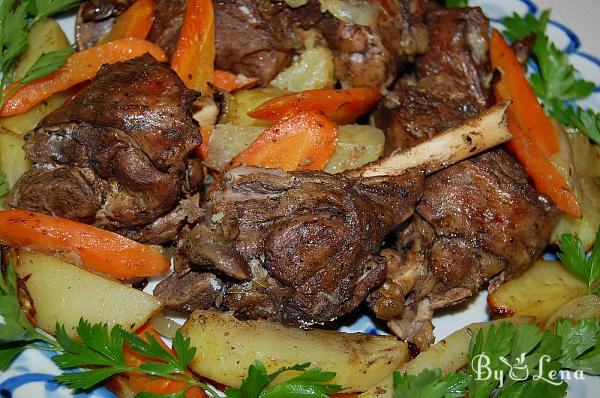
{"x": 229, "y": 82}
{"x": 137, "y": 383}
{"x": 342, "y": 106}
{"x": 535, "y": 138}
{"x": 80, "y": 66}
{"x": 300, "y": 141}
{"x": 136, "y": 21}
{"x": 99, "y": 250}
{"x": 513, "y": 85}
{"x": 194, "y": 56}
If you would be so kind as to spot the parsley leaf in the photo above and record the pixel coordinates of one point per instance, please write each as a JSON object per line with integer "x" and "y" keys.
{"x": 309, "y": 383}
{"x": 573, "y": 257}
{"x": 519, "y": 26}
{"x": 556, "y": 80}
{"x": 456, "y": 3}
{"x": 13, "y": 36}
{"x": 580, "y": 348}
{"x": 586, "y": 121}
{"x": 4, "y": 187}
{"x": 430, "y": 384}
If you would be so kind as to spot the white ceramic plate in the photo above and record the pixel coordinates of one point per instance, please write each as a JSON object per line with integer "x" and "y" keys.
{"x": 30, "y": 376}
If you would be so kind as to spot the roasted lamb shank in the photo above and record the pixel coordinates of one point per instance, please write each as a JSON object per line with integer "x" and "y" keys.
{"x": 117, "y": 155}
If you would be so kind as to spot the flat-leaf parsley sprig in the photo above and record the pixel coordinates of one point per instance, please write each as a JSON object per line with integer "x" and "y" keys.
{"x": 557, "y": 80}
{"x": 573, "y": 256}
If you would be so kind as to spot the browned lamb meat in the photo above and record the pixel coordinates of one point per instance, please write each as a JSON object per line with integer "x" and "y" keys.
{"x": 478, "y": 219}
{"x": 300, "y": 248}
{"x": 117, "y": 155}
{"x": 259, "y": 38}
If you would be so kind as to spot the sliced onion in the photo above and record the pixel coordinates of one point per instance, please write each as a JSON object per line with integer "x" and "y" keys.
{"x": 358, "y": 12}
{"x": 164, "y": 326}
{"x": 296, "y": 3}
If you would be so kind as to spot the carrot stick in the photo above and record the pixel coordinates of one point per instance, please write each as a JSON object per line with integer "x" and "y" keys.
{"x": 136, "y": 382}
{"x": 194, "y": 56}
{"x": 342, "y": 106}
{"x": 229, "y": 82}
{"x": 300, "y": 141}
{"x": 80, "y": 66}
{"x": 136, "y": 21}
{"x": 202, "y": 149}
{"x": 99, "y": 250}
{"x": 535, "y": 138}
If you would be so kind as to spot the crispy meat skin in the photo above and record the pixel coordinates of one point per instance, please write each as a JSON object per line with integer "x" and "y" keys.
{"x": 115, "y": 155}
{"x": 300, "y": 248}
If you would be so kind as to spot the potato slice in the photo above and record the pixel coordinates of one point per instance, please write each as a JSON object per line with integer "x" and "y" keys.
{"x": 312, "y": 70}
{"x": 228, "y": 140}
{"x": 449, "y": 354}
{"x": 357, "y": 145}
{"x": 65, "y": 293}
{"x": 13, "y": 163}
{"x": 227, "y": 346}
{"x": 585, "y": 307}
{"x": 539, "y": 292}
{"x": 27, "y": 121}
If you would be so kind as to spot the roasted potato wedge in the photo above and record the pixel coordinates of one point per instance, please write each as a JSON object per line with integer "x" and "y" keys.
{"x": 585, "y": 307}
{"x": 360, "y": 360}
{"x": 538, "y": 292}
{"x": 449, "y": 354}
{"x": 64, "y": 293}
{"x": 357, "y": 145}
{"x": 228, "y": 140}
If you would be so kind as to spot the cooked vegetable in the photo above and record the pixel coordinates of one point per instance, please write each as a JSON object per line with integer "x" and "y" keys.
{"x": 136, "y": 21}
{"x": 226, "y": 141}
{"x": 448, "y": 355}
{"x": 584, "y": 168}
{"x": 45, "y": 36}
{"x": 574, "y": 258}
{"x": 13, "y": 40}
{"x": 535, "y": 139}
{"x": 360, "y": 360}
{"x": 557, "y": 80}
{"x": 128, "y": 384}
{"x": 80, "y": 66}
{"x": 243, "y": 101}
{"x": 64, "y": 293}
{"x": 312, "y": 70}
{"x": 12, "y": 157}
{"x": 342, "y": 106}
{"x": 585, "y": 307}
{"x": 98, "y": 250}
{"x": 538, "y": 292}
{"x": 4, "y": 187}
{"x": 357, "y": 145}
{"x": 194, "y": 56}
{"x": 301, "y": 141}
{"x": 229, "y": 82}
{"x": 359, "y": 12}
